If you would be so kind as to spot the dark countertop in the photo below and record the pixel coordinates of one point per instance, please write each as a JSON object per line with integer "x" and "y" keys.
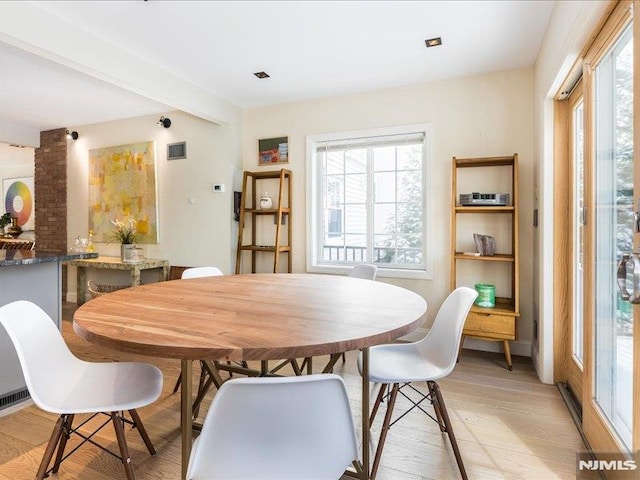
{"x": 29, "y": 257}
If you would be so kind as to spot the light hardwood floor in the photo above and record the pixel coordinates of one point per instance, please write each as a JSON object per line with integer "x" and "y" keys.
{"x": 508, "y": 425}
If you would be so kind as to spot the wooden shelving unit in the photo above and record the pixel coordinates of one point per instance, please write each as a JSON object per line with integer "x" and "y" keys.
{"x": 249, "y": 209}
{"x": 498, "y": 323}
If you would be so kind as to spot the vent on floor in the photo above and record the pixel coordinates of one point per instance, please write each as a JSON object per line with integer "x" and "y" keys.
{"x": 13, "y": 398}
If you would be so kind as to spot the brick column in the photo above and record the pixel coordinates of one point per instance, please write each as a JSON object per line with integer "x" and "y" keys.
{"x": 50, "y": 185}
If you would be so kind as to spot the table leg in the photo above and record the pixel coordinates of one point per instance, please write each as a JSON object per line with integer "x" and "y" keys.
{"x": 81, "y": 287}
{"x": 365, "y": 413}
{"x": 186, "y": 413}
{"x": 135, "y": 276}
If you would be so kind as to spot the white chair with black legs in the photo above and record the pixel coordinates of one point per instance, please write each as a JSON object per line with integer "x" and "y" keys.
{"x": 285, "y": 428}
{"x": 62, "y": 384}
{"x": 434, "y": 357}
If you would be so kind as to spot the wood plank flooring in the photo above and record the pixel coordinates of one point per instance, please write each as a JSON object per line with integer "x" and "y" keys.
{"x": 509, "y": 426}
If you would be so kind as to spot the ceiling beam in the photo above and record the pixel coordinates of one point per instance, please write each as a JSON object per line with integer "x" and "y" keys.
{"x": 28, "y": 27}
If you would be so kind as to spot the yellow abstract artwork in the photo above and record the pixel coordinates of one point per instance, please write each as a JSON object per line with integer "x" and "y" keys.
{"x": 122, "y": 186}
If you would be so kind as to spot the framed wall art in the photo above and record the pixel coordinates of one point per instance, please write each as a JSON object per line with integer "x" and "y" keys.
{"x": 18, "y": 200}
{"x": 122, "y": 186}
{"x": 273, "y": 150}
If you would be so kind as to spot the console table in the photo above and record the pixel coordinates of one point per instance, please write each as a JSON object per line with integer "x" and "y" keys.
{"x": 115, "y": 263}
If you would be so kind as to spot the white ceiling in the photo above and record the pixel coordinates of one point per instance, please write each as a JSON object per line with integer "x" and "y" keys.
{"x": 183, "y": 51}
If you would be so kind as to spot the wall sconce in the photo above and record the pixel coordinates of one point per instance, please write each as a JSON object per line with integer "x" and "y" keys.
{"x": 72, "y": 135}
{"x": 165, "y": 122}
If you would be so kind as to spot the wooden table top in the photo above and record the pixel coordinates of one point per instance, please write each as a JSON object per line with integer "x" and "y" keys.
{"x": 251, "y": 317}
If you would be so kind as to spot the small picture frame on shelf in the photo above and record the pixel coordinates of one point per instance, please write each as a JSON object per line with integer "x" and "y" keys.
{"x": 272, "y": 151}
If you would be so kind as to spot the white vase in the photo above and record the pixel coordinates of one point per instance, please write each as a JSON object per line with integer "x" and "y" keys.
{"x": 265, "y": 202}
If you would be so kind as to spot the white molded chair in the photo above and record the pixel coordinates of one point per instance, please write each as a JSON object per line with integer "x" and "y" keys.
{"x": 430, "y": 359}
{"x": 61, "y": 383}
{"x": 199, "y": 272}
{"x": 284, "y": 428}
{"x": 204, "y": 384}
{"x": 366, "y": 271}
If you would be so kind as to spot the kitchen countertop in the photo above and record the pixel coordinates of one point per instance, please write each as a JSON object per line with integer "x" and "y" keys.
{"x": 30, "y": 257}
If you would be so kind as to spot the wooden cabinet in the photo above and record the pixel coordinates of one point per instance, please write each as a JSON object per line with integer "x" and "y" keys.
{"x": 280, "y": 211}
{"x": 502, "y": 269}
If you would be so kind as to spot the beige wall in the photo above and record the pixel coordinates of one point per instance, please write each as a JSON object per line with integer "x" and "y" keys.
{"x": 198, "y": 233}
{"x": 484, "y": 115}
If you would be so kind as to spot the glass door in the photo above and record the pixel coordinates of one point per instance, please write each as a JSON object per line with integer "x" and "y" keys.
{"x": 609, "y": 371}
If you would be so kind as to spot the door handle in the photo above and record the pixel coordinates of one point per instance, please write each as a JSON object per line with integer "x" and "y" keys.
{"x": 628, "y": 277}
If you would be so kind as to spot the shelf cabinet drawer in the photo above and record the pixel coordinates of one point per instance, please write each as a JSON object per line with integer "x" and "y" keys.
{"x": 490, "y": 325}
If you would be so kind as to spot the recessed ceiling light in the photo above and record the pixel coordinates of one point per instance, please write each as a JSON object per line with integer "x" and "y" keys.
{"x": 261, "y": 74}
{"x": 433, "y": 42}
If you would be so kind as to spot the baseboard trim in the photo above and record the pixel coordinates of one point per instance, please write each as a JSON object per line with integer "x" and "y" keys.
{"x": 72, "y": 297}
{"x": 518, "y": 347}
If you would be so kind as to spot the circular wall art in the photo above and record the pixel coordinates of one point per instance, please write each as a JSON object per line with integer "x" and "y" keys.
{"x": 18, "y": 201}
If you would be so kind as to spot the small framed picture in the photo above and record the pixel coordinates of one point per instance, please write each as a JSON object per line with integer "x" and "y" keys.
{"x": 273, "y": 150}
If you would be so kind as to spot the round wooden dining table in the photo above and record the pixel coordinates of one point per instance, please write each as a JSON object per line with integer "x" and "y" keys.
{"x": 252, "y": 317}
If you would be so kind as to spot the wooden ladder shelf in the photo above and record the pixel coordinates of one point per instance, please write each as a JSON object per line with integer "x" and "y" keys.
{"x": 250, "y": 208}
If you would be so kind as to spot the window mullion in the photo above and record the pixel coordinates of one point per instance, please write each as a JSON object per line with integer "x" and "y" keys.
{"x": 370, "y": 206}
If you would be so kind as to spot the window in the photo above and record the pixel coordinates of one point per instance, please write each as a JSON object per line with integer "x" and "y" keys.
{"x": 367, "y": 200}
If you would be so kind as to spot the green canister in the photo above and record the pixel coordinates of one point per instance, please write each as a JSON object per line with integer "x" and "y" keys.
{"x": 486, "y": 295}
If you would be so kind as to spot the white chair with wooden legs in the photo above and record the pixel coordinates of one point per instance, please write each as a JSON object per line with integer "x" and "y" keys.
{"x": 62, "y": 384}
{"x": 198, "y": 272}
{"x": 287, "y": 428}
{"x": 366, "y": 272}
{"x": 434, "y": 357}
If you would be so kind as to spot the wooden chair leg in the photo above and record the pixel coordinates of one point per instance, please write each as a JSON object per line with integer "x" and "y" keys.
{"x": 436, "y": 407}
{"x": 142, "y": 431}
{"x": 447, "y": 422}
{"x": 51, "y": 447}
{"x": 385, "y": 429}
{"x": 202, "y": 391}
{"x": 344, "y": 358}
{"x": 122, "y": 444}
{"x": 66, "y": 432}
{"x": 177, "y": 385}
{"x": 507, "y": 354}
{"x": 201, "y": 384}
{"x": 376, "y": 405}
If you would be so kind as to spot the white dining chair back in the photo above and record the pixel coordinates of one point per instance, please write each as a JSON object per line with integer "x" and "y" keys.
{"x": 199, "y": 272}
{"x": 282, "y": 428}
{"x": 442, "y": 342}
{"x": 366, "y": 271}
{"x": 61, "y": 383}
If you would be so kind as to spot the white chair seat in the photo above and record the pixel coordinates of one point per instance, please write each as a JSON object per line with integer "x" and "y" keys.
{"x": 104, "y": 387}
{"x": 400, "y": 363}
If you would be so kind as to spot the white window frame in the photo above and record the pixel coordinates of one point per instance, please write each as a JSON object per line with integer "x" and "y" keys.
{"x": 314, "y": 200}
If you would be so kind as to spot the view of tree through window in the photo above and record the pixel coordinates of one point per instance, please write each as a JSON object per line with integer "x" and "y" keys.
{"x": 373, "y": 207}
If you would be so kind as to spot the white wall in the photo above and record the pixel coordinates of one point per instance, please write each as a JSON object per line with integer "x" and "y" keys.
{"x": 484, "y": 115}
{"x": 15, "y": 162}
{"x": 198, "y": 233}
{"x": 569, "y": 28}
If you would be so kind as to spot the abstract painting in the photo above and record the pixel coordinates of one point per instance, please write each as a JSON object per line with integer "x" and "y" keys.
{"x": 122, "y": 186}
{"x": 18, "y": 200}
